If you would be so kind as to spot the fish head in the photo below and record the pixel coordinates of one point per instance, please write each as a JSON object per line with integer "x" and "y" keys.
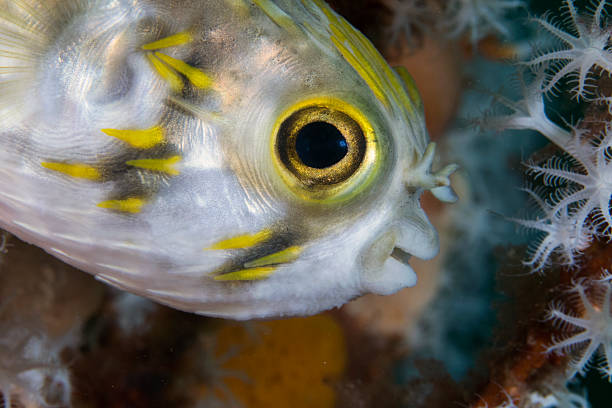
{"x": 237, "y": 159}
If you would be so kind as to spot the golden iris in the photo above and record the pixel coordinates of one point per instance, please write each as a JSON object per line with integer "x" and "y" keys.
{"x": 320, "y": 146}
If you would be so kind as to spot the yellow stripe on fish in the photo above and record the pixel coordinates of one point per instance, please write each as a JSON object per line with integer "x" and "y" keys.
{"x": 77, "y": 170}
{"x": 128, "y": 205}
{"x": 159, "y": 165}
{"x": 366, "y": 60}
{"x": 409, "y": 86}
{"x": 243, "y": 241}
{"x": 170, "y": 41}
{"x": 198, "y": 78}
{"x": 247, "y": 274}
{"x": 174, "y": 80}
{"x": 277, "y": 15}
{"x": 169, "y": 68}
{"x": 140, "y": 139}
{"x": 285, "y": 256}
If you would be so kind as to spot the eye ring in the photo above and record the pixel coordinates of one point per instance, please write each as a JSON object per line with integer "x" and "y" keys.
{"x": 344, "y": 176}
{"x": 322, "y": 128}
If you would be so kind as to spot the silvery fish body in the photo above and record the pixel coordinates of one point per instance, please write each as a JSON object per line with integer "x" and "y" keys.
{"x": 227, "y": 157}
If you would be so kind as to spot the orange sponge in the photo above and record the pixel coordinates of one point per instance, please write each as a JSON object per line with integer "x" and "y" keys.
{"x": 283, "y": 363}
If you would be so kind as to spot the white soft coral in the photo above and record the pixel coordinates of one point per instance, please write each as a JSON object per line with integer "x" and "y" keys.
{"x": 529, "y": 112}
{"x": 587, "y": 49}
{"x": 589, "y": 181}
{"x": 562, "y": 234}
{"x": 578, "y": 208}
{"x": 32, "y": 374}
{"x": 478, "y": 17}
{"x": 408, "y": 16}
{"x": 595, "y": 323}
{"x": 555, "y": 397}
{"x": 31, "y": 371}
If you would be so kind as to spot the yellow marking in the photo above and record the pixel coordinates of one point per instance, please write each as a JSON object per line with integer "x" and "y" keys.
{"x": 367, "y": 61}
{"x": 243, "y": 241}
{"x": 140, "y": 139}
{"x": 342, "y": 34}
{"x": 175, "y": 81}
{"x": 410, "y": 85}
{"x": 130, "y": 205}
{"x": 74, "y": 170}
{"x": 170, "y": 41}
{"x": 247, "y": 274}
{"x": 397, "y": 90}
{"x": 357, "y": 59}
{"x": 198, "y": 78}
{"x": 285, "y": 256}
{"x": 368, "y": 76}
{"x": 160, "y": 165}
{"x": 277, "y": 15}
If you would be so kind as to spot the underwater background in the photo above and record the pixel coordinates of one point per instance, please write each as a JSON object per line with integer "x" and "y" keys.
{"x": 475, "y": 331}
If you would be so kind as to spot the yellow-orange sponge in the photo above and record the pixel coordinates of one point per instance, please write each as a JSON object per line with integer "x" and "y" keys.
{"x": 285, "y": 363}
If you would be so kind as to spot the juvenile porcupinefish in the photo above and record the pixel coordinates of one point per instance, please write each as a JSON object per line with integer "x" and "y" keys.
{"x": 236, "y": 158}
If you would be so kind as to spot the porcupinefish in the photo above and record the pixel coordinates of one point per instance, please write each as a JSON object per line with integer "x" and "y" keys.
{"x": 235, "y": 158}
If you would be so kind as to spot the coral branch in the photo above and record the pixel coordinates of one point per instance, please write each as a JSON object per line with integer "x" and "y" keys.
{"x": 529, "y": 112}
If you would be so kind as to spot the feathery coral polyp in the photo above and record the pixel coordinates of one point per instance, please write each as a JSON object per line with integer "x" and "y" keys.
{"x": 563, "y": 234}
{"x": 578, "y": 208}
{"x": 587, "y": 49}
{"x": 591, "y": 178}
{"x": 478, "y": 17}
{"x": 596, "y": 322}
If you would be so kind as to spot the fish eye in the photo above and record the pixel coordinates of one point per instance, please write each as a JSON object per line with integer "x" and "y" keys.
{"x": 326, "y": 150}
{"x": 320, "y": 145}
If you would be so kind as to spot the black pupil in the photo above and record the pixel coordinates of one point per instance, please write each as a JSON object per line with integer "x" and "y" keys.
{"x": 320, "y": 145}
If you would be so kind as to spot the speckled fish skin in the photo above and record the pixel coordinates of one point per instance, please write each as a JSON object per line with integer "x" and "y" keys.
{"x": 137, "y": 143}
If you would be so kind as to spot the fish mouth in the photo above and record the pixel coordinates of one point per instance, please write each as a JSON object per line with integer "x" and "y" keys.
{"x": 386, "y": 268}
{"x": 400, "y": 255}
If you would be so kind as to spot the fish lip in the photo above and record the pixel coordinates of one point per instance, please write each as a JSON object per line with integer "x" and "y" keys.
{"x": 401, "y": 255}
